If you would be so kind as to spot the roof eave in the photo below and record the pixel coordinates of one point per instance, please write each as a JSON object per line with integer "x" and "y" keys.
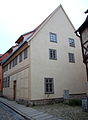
{"x": 13, "y": 53}
{"x": 83, "y": 26}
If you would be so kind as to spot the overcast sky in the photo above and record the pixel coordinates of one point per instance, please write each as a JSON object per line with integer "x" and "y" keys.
{"x": 20, "y": 16}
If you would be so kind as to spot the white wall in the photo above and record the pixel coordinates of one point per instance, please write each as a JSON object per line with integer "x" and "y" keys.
{"x": 69, "y": 76}
{"x": 20, "y": 73}
{"x": 31, "y": 72}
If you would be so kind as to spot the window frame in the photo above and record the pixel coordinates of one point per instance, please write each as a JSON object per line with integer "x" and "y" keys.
{"x": 71, "y": 57}
{"x": 20, "y": 57}
{"x": 71, "y": 42}
{"x": 13, "y": 63}
{"x": 6, "y": 82}
{"x": 10, "y": 65}
{"x": 16, "y": 60}
{"x": 54, "y": 56}
{"x": 25, "y": 53}
{"x": 53, "y": 37}
{"x": 49, "y": 85}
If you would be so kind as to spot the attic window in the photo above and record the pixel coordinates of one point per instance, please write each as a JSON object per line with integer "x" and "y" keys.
{"x": 53, "y": 37}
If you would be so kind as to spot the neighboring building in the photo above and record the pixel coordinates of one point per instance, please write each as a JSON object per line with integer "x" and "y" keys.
{"x": 0, "y": 76}
{"x": 47, "y": 61}
{"x": 82, "y": 32}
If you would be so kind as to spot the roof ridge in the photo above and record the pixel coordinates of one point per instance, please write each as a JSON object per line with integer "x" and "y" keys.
{"x": 48, "y": 18}
{"x": 45, "y": 20}
{"x": 42, "y": 23}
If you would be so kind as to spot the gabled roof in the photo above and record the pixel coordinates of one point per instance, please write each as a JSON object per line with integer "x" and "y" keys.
{"x": 4, "y": 60}
{"x": 21, "y": 38}
{"x": 31, "y": 34}
{"x": 3, "y": 56}
{"x": 28, "y": 36}
{"x": 7, "y": 54}
{"x": 37, "y": 29}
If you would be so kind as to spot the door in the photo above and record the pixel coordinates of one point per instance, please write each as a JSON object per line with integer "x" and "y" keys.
{"x": 14, "y": 90}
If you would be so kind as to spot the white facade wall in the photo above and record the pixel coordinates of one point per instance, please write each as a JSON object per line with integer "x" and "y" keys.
{"x": 20, "y": 73}
{"x": 30, "y": 73}
{"x": 67, "y": 76}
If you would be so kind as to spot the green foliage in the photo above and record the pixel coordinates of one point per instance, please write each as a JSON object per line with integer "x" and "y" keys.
{"x": 75, "y": 102}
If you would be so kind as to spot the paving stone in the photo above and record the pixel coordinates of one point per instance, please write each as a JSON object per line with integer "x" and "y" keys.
{"x": 31, "y": 113}
{"x": 41, "y": 116}
{"x": 46, "y": 118}
{"x": 39, "y": 113}
{"x": 8, "y": 114}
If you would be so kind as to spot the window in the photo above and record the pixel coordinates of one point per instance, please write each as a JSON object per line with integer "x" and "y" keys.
{"x": 6, "y": 82}
{"x": 20, "y": 57}
{"x": 49, "y": 86}
{"x": 25, "y": 53}
{"x": 10, "y": 65}
{"x": 71, "y": 57}
{"x": 6, "y": 68}
{"x": 53, "y": 37}
{"x": 52, "y": 54}
{"x": 71, "y": 42}
{"x": 15, "y": 60}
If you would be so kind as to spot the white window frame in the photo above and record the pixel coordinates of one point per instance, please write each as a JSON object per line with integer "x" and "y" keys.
{"x": 52, "y": 54}
{"x": 71, "y": 42}
{"x": 20, "y": 57}
{"x": 25, "y": 53}
{"x": 71, "y": 57}
{"x": 49, "y": 85}
{"x": 53, "y": 37}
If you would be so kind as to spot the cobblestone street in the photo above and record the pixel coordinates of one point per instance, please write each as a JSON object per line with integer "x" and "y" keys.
{"x": 64, "y": 112}
{"x": 8, "y": 114}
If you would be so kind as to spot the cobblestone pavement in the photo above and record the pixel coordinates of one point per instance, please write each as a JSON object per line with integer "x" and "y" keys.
{"x": 64, "y": 112}
{"x": 8, "y": 114}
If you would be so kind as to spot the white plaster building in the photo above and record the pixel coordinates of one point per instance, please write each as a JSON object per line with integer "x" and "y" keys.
{"x": 47, "y": 61}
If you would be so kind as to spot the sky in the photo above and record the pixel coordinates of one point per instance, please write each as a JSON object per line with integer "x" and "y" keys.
{"x": 21, "y": 16}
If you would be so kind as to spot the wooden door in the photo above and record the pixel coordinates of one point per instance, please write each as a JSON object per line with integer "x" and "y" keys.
{"x": 14, "y": 90}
